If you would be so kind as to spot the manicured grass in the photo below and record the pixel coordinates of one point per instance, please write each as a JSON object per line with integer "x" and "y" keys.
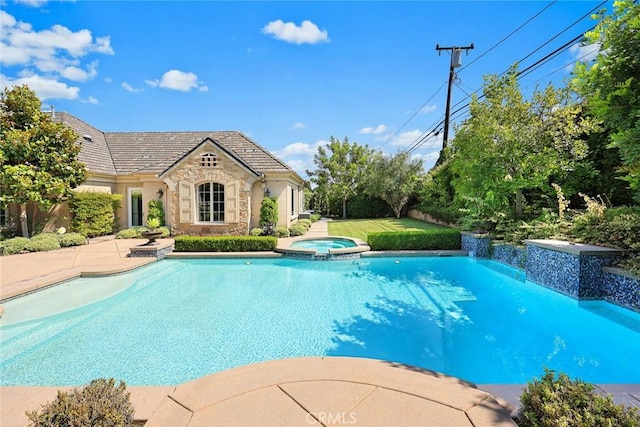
{"x": 359, "y": 228}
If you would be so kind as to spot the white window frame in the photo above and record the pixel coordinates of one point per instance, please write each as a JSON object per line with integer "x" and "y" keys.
{"x": 215, "y": 188}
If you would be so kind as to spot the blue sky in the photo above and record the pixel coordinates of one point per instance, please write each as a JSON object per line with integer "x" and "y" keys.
{"x": 287, "y": 74}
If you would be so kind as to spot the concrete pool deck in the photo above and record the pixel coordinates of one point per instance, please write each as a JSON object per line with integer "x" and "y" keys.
{"x": 269, "y": 393}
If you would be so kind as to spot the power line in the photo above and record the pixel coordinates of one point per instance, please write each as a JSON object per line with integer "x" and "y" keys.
{"x": 510, "y": 34}
{"x": 412, "y": 116}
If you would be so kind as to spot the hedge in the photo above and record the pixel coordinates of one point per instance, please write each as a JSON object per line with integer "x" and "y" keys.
{"x": 225, "y": 243}
{"x": 436, "y": 239}
{"x": 94, "y": 213}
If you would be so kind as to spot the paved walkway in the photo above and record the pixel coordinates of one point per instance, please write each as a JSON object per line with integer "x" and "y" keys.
{"x": 286, "y": 392}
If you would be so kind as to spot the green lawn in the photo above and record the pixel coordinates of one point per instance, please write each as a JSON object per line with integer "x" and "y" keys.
{"x": 359, "y": 228}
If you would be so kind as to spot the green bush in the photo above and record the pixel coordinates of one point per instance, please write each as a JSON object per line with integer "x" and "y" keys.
{"x": 269, "y": 211}
{"x": 155, "y": 211}
{"x": 100, "y": 404}
{"x": 14, "y": 246}
{"x": 297, "y": 230}
{"x": 436, "y": 239}
{"x": 225, "y": 243}
{"x": 130, "y": 233}
{"x": 72, "y": 239}
{"x": 256, "y": 231}
{"x": 561, "y": 401}
{"x": 282, "y": 232}
{"x": 166, "y": 231}
{"x": 43, "y": 242}
{"x": 93, "y": 213}
{"x": 315, "y": 217}
{"x": 306, "y": 222}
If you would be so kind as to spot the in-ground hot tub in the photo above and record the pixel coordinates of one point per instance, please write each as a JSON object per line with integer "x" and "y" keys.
{"x": 323, "y": 248}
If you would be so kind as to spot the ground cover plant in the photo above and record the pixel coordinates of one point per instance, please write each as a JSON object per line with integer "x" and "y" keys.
{"x": 554, "y": 401}
{"x": 41, "y": 242}
{"x": 360, "y": 228}
{"x": 102, "y": 403}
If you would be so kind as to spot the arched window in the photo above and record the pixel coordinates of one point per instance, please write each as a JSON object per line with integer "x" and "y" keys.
{"x": 211, "y": 202}
{"x": 209, "y": 160}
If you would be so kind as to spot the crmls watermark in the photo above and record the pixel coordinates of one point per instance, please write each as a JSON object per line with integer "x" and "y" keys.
{"x": 338, "y": 418}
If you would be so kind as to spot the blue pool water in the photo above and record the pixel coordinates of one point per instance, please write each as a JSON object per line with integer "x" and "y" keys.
{"x": 181, "y": 319}
{"x": 322, "y": 246}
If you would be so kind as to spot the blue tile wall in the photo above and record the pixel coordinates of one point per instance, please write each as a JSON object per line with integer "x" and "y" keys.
{"x": 478, "y": 246}
{"x": 622, "y": 290}
{"x": 514, "y": 256}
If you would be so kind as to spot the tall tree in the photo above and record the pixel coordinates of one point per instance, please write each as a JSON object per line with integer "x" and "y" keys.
{"x": 394, "y": 179}
{"x": 340, "y": 168}
{"x": 611, "y": 84}
{"x": 511, "y": 144}
{"x": 38, "y": 157}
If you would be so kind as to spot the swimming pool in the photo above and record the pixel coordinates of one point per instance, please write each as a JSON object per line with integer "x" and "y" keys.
{"x": 181, "y": 319}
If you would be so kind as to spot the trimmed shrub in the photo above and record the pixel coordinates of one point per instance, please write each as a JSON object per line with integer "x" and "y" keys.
{"x": 255, "y": 232}
{"x": 43, "y": 242}
{"x": 72, "y": 239}
{"x": 297, "y": 230}
{"x": 281, "y": 232}
{"x": 315, "y": 217}
{"x": 93, "y": 213}
{"x": 166, "y": 231}
{"x": 269, "y": 211}
{"x": 155, "y": 211}
{"x": 561, "y": 401}
{"x": 436, "y": 239}
{"x": 101, "y": 404}
{"x": 306, "y": 222}
{"x": 130, "y": 233}
{"x": 14, "y": 246}
{"x": 225, "y": 243}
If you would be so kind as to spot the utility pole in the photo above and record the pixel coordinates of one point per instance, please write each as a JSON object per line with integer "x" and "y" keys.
{"x": 456, "y": 61}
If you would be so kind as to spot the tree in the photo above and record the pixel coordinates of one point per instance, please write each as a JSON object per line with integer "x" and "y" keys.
{"x": 38, "y": 157}
{"x": 394, "y": 179}
{"x": 611, "y": 85}
{"x": 340, "y": 169}
{"x": 510, "y": 144}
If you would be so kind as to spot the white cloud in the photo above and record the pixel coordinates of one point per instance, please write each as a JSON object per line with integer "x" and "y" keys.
{"x": 307, "y": 32}
{"x": 406, "y": 139}
{"x": 126, "y": 86}
{"x": 45, "y": 88}
{"x": 375, "y": 131}
{"x": 428, "y": 159}
{"x": 92, "y": 100}
{"x": 299, "y": 155}
{"x": 297, "y": 149}
{"x": 108, "y": 80}
{"x": 178, "y": 80}
{"x": 585, "y": 53}
{"x": 32, "y": 3}
{"x": 428, "y": 109}
{"x": 298, "y": 125}
{"x": 42, "y": 58}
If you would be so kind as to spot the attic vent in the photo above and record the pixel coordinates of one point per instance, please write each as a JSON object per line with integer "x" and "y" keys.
{"x": 146, "y": 157}
{"x": 209, "y": 160}
{"x": 87, "y": 137}
{"x": 249, "y": 150}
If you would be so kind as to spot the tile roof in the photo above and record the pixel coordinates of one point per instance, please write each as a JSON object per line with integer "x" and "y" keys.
{"x": 124, "y": 153}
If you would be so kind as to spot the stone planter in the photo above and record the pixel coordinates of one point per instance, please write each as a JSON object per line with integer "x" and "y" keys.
{"x": 151, "y": 236}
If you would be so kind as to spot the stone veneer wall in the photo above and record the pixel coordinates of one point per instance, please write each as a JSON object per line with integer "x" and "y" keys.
{"x": 227, "y": 171}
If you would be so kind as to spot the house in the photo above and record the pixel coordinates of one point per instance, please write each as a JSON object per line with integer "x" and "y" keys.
{"x": 210, "y": 183}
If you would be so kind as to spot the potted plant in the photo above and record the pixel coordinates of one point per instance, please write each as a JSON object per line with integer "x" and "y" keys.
{"x": 152, "y": 233}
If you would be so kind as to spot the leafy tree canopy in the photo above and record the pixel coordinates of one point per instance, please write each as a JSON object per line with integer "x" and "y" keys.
{"x": 611, "y": 84}
{"x": 340, "y": 168}
{"x": 510, "y": 144}
{"x": 394, "y": 179}
{"x": 38, "y": 157}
